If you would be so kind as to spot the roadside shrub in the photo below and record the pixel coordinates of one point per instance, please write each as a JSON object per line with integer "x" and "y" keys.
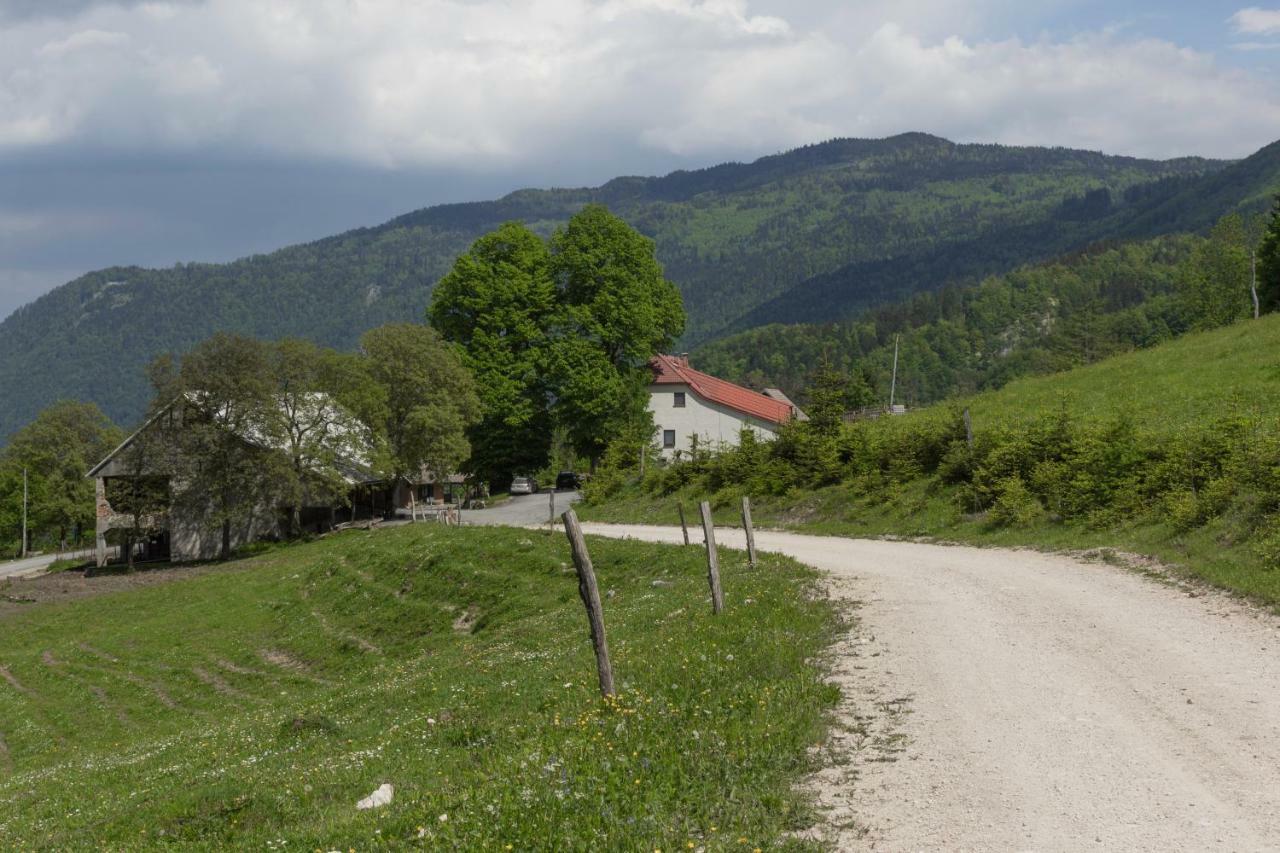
{"x": 1015, "y": 505}
{"x": 1266, "y": 544}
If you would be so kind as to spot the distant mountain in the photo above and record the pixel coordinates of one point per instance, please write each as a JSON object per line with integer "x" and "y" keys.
{"x": 822, "y": 231}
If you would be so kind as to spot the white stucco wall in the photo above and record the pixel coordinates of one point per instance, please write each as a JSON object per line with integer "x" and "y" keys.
{"x": 711, "y": 422}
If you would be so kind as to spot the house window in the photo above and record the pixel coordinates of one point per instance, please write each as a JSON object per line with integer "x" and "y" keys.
{"x": 679, "y": 404}
{"x": 668, "y": 438}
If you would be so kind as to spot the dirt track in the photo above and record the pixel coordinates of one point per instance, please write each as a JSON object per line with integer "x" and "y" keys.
{"x": 1021, "y": 701}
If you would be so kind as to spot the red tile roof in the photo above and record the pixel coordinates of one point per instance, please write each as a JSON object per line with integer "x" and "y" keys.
{"x": 673, "y": 370}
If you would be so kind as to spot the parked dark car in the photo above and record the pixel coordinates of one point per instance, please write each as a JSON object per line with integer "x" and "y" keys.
{"x": 567, "y": 481}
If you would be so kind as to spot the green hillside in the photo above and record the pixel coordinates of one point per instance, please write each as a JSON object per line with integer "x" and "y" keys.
{"x": 1172, "y": 451}
{"x": 915, "y": 210}
{"x": 1195, "y": 379}
{"x": 249, "y": 706}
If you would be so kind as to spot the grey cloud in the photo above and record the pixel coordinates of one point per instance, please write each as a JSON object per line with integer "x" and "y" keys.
{"x": 21, "y": 10}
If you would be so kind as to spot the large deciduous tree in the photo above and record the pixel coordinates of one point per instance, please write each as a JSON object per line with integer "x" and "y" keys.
{"x": 56, "y": 450}
{"x": 497, "y": 304}
{"x": 616, "y": 311}
{"x": 430, "y": 400}
{"x": 558, "y": 335}
{"x": 1215, "y": 284}
{"x": 317, "y": 393}
{"x": 227, "y": 463}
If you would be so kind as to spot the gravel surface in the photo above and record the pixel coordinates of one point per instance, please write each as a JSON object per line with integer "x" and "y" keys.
{"x": 1011, "y": 700}
{"x": 521, "y": 510}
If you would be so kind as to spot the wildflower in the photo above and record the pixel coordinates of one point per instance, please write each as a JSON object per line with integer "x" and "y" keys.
{"x": 443, "y": 818}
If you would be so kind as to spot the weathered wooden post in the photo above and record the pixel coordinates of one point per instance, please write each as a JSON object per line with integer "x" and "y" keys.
{"x": 591, "y": 599}
{"x": 751, "y": 534}
{"x": 713, "y": 559}
{"x": 551, "y": 519}
{"x": 684, "y": 528}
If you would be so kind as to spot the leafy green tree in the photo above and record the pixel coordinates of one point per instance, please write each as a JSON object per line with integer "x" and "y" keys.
{"x": 497, "y": 304}
{"x": 56, "y": 450}
{"x": 1215, "y": 283}
{"x": 616, "y": 311}
{"x": 430, "y": 400}
{"x": 315, "y": 392}
{"x": 225, "y": 463}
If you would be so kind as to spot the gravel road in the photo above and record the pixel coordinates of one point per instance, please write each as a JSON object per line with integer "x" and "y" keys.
{"x": 521, "y": 510}
{"x": 1010, "y": 700}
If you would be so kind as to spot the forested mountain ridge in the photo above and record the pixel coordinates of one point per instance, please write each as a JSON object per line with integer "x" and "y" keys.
{"x": 1173, "y": 204}
{"x": 1037, "y": 319}
{"x": 733, "y": 237}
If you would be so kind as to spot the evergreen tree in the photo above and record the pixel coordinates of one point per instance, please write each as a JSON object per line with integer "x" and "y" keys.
{"x": 1269, "y": 262}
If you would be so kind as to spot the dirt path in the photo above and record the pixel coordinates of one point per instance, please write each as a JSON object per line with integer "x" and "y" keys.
{"x": 1046, "y": 704}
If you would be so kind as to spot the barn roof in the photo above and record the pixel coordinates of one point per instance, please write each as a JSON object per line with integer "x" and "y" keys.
{"x": 675, "y": 370}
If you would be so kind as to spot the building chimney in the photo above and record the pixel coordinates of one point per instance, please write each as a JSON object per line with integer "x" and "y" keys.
{"x": 683, "y": 358}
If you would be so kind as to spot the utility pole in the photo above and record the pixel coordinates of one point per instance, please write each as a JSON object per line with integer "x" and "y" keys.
{"x": 893, "y": 385}
{"x": 24, "y": 512}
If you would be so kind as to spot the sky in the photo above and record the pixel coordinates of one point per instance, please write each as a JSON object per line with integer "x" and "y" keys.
{"x": 148, "y": 132}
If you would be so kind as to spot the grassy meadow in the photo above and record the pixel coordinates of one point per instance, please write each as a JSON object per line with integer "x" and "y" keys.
{"x": 1198, "y": 493}
{"x": 251, "y": 706}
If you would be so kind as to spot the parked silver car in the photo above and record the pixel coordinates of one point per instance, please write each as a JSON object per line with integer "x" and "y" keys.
{"x": 524, "y": 486}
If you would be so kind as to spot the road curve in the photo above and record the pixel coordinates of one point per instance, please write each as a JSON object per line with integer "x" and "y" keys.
{"x": 1051, "y": 704}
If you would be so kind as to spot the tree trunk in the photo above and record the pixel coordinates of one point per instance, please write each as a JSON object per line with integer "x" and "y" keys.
{"x": 295, "y": 521}
{"x": 226, "y": 540}
{"x": 128, "y": 547}
{"x": 413, "y": 504}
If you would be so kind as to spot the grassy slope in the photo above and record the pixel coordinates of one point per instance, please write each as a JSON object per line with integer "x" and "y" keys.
{"x": 253, "y": 706}
{"x": 1188, "y": 381}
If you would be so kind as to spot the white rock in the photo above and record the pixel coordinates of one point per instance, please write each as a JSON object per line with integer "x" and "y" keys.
{"x": 378, "y": 798}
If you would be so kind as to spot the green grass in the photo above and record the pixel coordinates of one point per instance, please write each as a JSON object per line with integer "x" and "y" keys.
{"x": 1189, "y": 380}
{"x": 251, "y": 707}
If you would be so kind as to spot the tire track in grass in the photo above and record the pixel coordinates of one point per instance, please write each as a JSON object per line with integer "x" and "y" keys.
{"x": 154, "y": 688}
{"x": 99, "y": 693}
{"x": 219, "y": 684}
{"x": 16, "y": 684}
{"x": 36, "y": 703}
{"x": 290, "y": 664}
{"x": 273, "y": 676}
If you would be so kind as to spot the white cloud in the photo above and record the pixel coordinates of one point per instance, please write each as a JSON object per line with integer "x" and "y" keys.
{"x": 1257, "y": 22}
{"x": 483, "y": 84}
{"x": 82, "y": 40}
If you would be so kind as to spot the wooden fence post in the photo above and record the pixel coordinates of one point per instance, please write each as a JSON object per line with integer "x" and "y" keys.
{"x": 713, "y": 559}
{"x": 590, "y": 594}
{"x": 684, "y": 528}
{"x": 751, "y": 534}
{"x": 551, "y": 519}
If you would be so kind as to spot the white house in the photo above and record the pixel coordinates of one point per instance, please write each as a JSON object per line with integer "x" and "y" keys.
{"x": 687, "y": 403}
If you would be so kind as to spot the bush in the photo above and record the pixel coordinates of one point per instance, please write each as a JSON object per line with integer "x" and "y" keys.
{"x": 1266, "y": 545}
{"x": 1015, "y": 505}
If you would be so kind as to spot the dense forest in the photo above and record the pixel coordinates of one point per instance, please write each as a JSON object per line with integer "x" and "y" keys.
{"x": 1037, "y": 319}
{"x": 832, "y": 228}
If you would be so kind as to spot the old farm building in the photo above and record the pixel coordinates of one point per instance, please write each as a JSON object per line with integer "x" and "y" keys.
{"x": 178, "y": 523}
{"x": 689, "y": 405}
